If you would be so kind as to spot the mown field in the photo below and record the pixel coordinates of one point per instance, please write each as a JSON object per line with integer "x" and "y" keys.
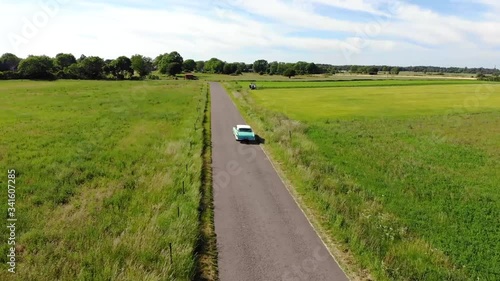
{"x": 100, "y": 170}
{"x": 404, "y": 177}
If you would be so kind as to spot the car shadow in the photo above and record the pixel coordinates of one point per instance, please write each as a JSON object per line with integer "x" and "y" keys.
{"x": 258, "y": 140}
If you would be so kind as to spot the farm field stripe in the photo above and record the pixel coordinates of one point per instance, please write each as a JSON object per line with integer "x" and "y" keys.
{"x": 360, "y": 83}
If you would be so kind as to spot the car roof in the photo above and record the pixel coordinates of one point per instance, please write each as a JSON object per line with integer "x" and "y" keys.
{"x": 243, "y": 127}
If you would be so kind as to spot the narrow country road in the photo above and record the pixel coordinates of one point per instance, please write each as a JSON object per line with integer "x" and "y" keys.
{"x": 261, "y": 232}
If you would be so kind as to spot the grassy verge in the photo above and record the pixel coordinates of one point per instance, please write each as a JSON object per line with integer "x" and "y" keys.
{"x": 109, "y": 177}
{"x": 207, "y": 251}
{"x": 408, "y": 198}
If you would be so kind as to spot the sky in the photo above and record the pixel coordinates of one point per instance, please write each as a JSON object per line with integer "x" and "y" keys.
{"x": 461, "y": 33}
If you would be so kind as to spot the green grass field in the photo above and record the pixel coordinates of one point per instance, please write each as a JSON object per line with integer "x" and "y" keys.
{"x": 100, "y": 169}
{"x": 359, "y": 83}
{"x": 368, "y": 100}
{"x": 404, "y": 177}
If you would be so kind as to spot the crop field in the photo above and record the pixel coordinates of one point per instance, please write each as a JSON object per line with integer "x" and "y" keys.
{"x": 405, "y": 177}
{"x": 100, "y": 169}
{"x": 359, "y": 83}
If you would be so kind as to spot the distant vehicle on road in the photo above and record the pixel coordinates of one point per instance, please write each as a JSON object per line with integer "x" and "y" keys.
{"x": 243, "y": 133}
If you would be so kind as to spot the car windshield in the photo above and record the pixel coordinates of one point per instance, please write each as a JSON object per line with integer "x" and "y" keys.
{"x": 245, "y": 130}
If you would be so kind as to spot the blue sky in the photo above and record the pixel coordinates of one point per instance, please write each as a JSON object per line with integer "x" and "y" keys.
{"x": 445, "y": 33}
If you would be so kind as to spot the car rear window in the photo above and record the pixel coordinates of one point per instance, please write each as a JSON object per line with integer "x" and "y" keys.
{"x": 245, "y": 130}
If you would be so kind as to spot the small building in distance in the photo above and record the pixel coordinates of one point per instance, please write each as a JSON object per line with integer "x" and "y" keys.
{"x": 189, "y": 76}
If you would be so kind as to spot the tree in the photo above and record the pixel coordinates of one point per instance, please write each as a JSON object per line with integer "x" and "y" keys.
{"x": 81, "y": 58}
{"x": 9, "y": 62}
{"x": 141, "y": 64}
{"x": 167, "y": 59}
{"x": 61, "y": 61}
{"x": 163, "y": 66}
{"x": 395, "y": 70}
{"x": 301, "y": 67}
{"x": 157, "y": 60}
{"x": 227, "y": 68}
{"x": 74, "y": 71}
{"x": 363, "y": 69}
{"x": 174, "y": 68}
{"x": 109, "y": 67}
{"x": 174, "y": 57}
{"x": 372, "y": 70}
{"x": 273, "y": 68}
{"x": 354, "y": 69}
{"x": 289, "y": 73}
{"x": 230, "y": 68}
{"x": 282, "y": 66}
{"x": 91, "y": 68}
{"x": 189, "y": 65}
{"x": 200, "y": 66}
{"x": 37, "y": 67}
{"x": 260, "y": 66}
{"x": 242, "y": 67}
{"x": 312, "y": 68}
{"x": 214, "y": 65}
{"x": 121, "y": 66}
{"x": 234, "y": 68}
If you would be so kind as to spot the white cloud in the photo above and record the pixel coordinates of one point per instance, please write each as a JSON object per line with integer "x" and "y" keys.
{"x": 353, "y": 5}
{"x": 396, "y": 32}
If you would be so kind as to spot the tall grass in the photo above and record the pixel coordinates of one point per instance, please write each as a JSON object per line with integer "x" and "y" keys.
{"x": 101, "y": 166}
{"x": 406, "y": 203}
{"x": 207, "y": 247}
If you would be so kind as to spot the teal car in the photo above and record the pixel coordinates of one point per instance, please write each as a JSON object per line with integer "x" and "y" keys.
{"x": 243, "y": 133}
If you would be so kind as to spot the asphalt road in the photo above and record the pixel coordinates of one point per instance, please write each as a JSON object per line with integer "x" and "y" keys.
{"x": 261, "y": 232}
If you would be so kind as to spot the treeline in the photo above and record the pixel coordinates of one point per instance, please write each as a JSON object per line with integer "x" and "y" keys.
{"x": 435, "y": 69}
{"x": 493, "y": 77}
{"x": 420, "y": 69}
{"x": 66, "y": 66}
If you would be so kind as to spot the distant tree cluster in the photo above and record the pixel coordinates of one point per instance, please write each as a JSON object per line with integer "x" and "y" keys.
{"x": 290, "y": 69}
{"x": 215, "y": 65}
{"x": 436, "y": 69}
{"x": 493, "y": 77}
{"x": 66, "y": 66}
